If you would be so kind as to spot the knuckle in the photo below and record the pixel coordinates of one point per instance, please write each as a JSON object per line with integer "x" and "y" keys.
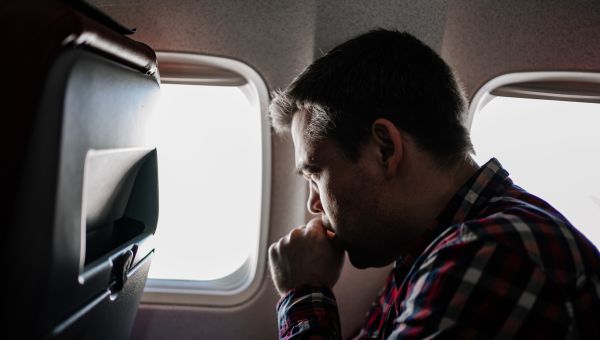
{"x": 315, "y": 222}
{"x": 274, "y": 249}
{"x": 314, "y": 232}
{"x": 296, "y": 231}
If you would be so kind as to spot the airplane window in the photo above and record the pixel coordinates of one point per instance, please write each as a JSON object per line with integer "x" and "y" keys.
{"x": 551, "y": 149}
{"x": 209, "y": 151}
{"x": 214, "y": 172}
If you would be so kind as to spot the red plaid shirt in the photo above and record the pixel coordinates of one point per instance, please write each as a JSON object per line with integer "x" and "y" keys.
{"x": 499, "y": 262}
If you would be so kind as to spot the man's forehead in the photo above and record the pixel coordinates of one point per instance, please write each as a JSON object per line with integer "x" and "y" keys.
{"x": 298, "y": 137}
{"x": 298, "y": 124}
{"x": 306, "y": 151}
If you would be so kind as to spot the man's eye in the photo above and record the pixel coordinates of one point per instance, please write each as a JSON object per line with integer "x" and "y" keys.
{"x": 313, "y": 183}
{"x": 311, "y": 177}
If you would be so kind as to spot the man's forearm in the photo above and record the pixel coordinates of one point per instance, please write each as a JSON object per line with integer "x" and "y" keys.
{"x": 308, "y": 312}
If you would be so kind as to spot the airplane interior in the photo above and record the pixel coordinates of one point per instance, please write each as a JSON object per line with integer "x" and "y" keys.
{"x": 143, "y": 183}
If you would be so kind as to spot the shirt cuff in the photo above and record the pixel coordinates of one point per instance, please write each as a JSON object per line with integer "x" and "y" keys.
{"x": 308, "y": 310}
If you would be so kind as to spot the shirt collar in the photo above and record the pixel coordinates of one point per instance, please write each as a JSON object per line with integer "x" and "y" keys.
{"x": 468, "y": 201}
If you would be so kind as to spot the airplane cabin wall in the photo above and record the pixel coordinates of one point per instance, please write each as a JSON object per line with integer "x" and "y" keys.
{"x": 485, "y": 39}
{"x": 279, "y": 38}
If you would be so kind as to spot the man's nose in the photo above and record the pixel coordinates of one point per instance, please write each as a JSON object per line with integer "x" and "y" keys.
{"x": 314, "y": 202}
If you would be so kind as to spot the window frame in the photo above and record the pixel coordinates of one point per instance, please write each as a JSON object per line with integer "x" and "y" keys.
{"x": 568, "y": 86}
{"x": 241, "y": 285}
{"x": 551, "y": 85}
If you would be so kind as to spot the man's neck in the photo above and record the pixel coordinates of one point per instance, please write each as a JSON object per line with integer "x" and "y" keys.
{"x": 435, "y": 186}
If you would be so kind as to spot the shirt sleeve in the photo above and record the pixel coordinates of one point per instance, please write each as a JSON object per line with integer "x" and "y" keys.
{"x": 308, "y": 312}
{"x": 480, "y": 290}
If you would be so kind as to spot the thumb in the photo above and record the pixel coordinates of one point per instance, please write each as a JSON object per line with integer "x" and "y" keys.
{"x": 317, "y": 223}
{"x": 330, "y": 234}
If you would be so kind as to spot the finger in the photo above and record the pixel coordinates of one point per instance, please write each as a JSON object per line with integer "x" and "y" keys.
{"x": 316, "y": 231}
{"x": 315, "y": 225}
{"x": 315, "y": 222}
{"x": 330, "y": 234}
{"x": 320, "y": 223}
{"x": 274, "y": 251}
{"x": 296, "y": 233}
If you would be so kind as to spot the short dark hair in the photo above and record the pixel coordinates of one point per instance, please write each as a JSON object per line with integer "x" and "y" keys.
{"x": 380, "y": 74}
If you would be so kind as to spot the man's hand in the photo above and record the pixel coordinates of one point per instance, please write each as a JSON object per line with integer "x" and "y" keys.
{"x": 305, "y": 256}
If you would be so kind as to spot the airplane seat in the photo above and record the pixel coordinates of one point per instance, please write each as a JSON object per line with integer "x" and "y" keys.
{"x": 79, "y": 172}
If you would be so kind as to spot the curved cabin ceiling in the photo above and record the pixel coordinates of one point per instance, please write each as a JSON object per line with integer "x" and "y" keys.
{"x": 480, "y": 39}
{"x": 278, "y": 38}
{"x": 485, "y": 39}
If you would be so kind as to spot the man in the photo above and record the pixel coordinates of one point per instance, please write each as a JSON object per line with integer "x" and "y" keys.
{"x": 377, "y": 126}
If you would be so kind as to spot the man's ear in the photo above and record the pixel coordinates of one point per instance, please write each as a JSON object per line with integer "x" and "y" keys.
{"x": 388, "y": 139}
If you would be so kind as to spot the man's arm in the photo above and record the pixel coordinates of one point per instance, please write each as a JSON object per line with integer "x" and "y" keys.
{"x": 304, "y": 267}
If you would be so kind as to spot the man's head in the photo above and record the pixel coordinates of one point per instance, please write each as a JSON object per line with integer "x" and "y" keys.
{"x": 365, "y": 118}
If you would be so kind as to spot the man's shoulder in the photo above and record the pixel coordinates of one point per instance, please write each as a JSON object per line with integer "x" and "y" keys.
{"x": 524, "y": 224}
{"x": 516, "y": 261}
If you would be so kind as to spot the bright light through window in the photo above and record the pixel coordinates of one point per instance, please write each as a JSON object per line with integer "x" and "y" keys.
{"x": 209, "y": 152}
{"x": 551, "y": 149}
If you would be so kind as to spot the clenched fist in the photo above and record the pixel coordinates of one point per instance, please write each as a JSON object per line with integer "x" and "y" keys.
{"x": 305, "y": 256}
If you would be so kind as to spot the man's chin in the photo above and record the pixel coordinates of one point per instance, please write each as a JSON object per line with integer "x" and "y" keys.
{"x": 363, "y": 262}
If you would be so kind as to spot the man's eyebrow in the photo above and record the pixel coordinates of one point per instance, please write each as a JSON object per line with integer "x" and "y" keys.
{"x": 306, "y": 168}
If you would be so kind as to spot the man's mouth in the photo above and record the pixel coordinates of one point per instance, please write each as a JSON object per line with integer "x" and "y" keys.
{"x": 331, "y": 234}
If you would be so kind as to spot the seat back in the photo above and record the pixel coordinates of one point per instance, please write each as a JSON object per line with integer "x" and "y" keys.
{"x": 81, "y": 198}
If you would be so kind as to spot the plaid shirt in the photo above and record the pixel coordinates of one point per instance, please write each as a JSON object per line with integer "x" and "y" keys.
{"x": 498, "y": 262}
